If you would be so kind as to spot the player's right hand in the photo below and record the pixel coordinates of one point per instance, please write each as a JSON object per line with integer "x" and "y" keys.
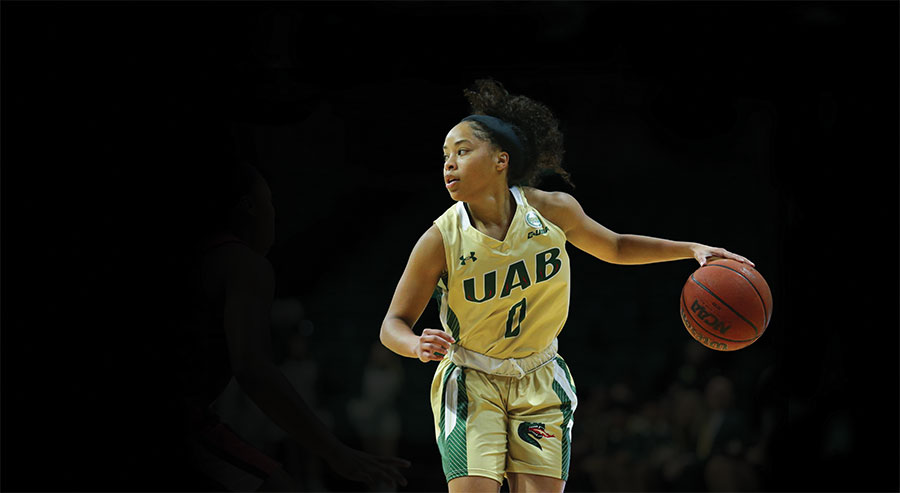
{"x": 433, "y": 345}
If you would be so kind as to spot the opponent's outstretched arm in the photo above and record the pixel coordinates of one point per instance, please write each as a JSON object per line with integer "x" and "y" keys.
{"x": 249, "y": 289}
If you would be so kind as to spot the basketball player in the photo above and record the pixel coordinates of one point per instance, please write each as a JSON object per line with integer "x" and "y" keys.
{"x": 503, "y": 398}
{"x": 227, "y": 335}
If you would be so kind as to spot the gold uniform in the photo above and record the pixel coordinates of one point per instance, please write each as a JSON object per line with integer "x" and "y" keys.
{"x": 503, "y": 399}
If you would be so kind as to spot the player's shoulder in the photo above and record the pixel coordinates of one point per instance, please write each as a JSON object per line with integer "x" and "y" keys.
{"x": 432, "y": 240}
{"x": 449, "y": 216}
{"x": 551, "y": 203}
{"x": 448, "y": 224}
{"x": 428, "y": 253}
{"x": 560, "y": 208}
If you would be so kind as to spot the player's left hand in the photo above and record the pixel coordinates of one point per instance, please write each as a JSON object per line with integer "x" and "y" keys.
{"x": 704, "y": 254}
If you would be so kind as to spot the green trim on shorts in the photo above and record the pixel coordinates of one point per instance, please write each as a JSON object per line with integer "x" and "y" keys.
{"x": 566, "y": 408}
{"x": 477, "y": 473}
{"x": 453, "y": 448}
{"x": 455, "y": 474}
{"x": 447, "y": 372}
{"x": 565, "y": 368}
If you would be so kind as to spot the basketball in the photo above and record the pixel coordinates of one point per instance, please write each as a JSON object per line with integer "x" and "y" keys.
{"x": 726, "y": 305}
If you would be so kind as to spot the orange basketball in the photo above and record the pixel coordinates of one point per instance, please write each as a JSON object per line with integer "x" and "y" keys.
{"x": 726, "y": 305}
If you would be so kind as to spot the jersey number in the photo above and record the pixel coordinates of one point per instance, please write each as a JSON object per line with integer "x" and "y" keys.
{"x": 513, "y": 323}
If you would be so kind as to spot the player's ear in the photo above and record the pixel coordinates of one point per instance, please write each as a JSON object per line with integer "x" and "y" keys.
{"x": 502, "y": 161}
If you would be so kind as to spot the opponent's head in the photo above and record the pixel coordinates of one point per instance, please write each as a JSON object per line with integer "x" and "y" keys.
{"x": 232, "y": 196}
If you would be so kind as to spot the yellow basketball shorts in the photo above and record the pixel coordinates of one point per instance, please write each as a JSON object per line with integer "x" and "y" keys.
{"x": 488, "y": 425}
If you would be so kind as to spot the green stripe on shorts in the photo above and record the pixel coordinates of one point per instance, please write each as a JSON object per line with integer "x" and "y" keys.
{"x": 566, "y": 408}
{"x": 453, "y": 447}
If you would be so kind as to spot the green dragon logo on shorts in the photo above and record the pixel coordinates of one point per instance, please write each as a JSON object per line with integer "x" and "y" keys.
{"x": 532, "y": 432}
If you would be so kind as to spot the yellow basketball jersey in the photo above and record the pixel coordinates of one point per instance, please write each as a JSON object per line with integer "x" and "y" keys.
{"x": 504, "y": 299}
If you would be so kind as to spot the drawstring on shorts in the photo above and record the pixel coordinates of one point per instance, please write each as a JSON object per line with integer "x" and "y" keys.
{"x": 509, "y": 367}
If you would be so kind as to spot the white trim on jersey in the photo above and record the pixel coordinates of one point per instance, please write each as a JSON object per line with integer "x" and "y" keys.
{"x": 444, "y": 306}
{"x": 518, "y": 195}
{"x": 463, "y": 215}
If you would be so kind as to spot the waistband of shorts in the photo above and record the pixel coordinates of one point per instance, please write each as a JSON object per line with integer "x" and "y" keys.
{"x": 509, "y": 367}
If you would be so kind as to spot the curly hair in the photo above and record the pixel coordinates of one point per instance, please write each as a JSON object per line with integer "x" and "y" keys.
{"x": 533, "y": 123}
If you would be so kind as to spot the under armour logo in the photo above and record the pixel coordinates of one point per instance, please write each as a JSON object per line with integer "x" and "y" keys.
{"x": 462, "y": 260}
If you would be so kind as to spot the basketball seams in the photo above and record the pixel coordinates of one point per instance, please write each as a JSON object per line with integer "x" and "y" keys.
{"x": 698, "y": 323}
{"x": 761, "y": 299}
{"x": 698, "y": 283}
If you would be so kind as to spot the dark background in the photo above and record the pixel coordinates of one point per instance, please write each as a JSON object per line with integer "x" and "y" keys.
{"x": 766, "y": 128}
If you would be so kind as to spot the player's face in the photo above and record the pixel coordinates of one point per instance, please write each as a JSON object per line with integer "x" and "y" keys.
{"x": 471, "y": 165}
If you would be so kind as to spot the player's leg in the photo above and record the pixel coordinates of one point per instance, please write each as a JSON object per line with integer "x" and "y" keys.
{"x": 470, "y": 427}
{"x": 474, "y": 484}
{"x": 541, "y": 409}
{"x": 533, "y": 483}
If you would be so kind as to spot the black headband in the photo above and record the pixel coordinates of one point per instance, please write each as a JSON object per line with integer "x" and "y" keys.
{"x": 503, "y": 132}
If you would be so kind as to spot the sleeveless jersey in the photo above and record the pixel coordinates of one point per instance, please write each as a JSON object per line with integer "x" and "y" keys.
{"x": 504, "y": 299}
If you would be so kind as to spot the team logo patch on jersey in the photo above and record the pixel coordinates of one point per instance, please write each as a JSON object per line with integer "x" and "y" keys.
{"x": 532, "y": 432}
{"x": 533, "y": 220}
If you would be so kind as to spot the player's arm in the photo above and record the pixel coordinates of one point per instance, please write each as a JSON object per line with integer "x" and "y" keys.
{"x": 592, "y": 237}
{"x": 424, "y": 268}
{"x": 249, "y": 291}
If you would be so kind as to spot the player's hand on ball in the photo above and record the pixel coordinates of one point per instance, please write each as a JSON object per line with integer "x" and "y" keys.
{"x": 704, "y": 254}
{"x": 433, "y": 345}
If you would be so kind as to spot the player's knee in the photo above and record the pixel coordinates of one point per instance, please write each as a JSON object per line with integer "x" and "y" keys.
{"x": 478, "y": 484}
{"x": 519, "y": 482}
